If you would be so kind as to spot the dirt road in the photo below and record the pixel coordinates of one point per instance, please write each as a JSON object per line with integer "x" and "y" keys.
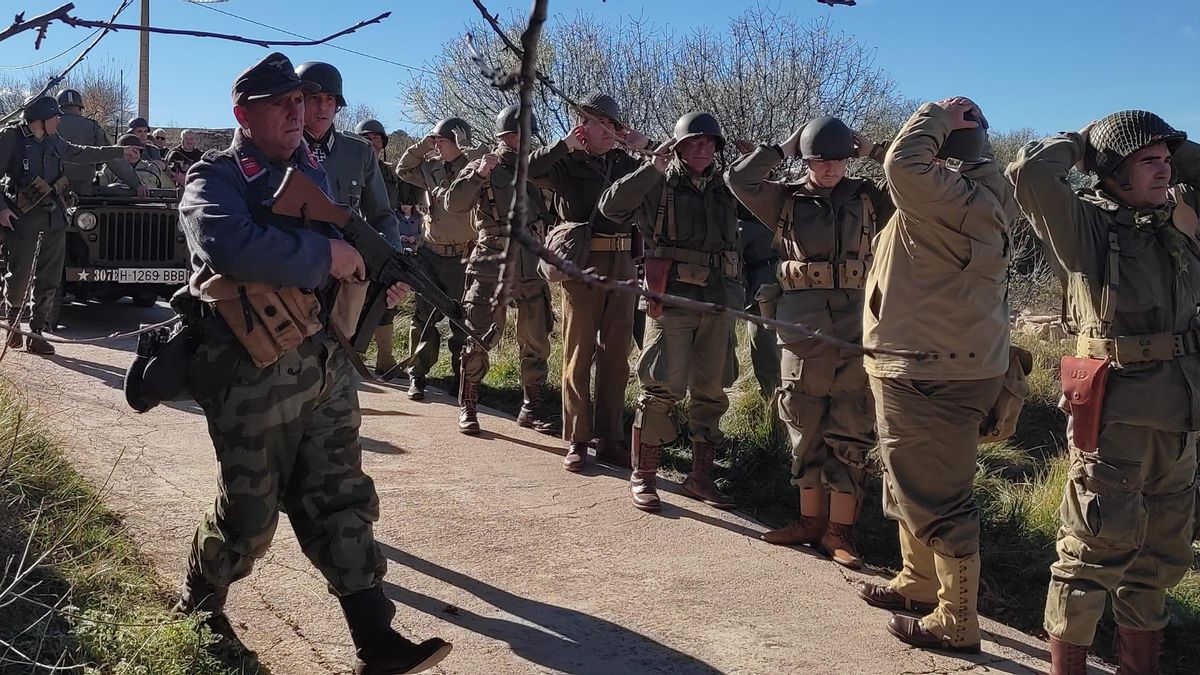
{"x": 524, "y": 567}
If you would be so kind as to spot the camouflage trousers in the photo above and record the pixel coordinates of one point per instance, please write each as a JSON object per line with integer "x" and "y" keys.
{"x": 686, "y": 353}
{"x": 449, "y": 272}
{"x": 1128, "y": 518}
{"x": 20, "y": 243}
{"x": 286, "y": 437}
{"x": 597, "y": 331}
{"x": 535, "y": 320}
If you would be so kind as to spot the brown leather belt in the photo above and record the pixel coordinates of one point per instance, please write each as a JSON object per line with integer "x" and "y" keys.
{"x": 614, "y": 243}
{"x": 449, "y": 250}
{"x": 1126, "y": 349}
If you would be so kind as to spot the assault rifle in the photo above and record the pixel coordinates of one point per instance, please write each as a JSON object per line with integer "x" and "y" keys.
{"x": 299, "y": 197}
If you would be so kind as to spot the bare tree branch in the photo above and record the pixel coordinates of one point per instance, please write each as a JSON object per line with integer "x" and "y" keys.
{"x": 40, "y": 22}
{"x": 87, "y": 23}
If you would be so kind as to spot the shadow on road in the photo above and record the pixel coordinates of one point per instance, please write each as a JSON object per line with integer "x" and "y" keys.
{"x": 550, "y": 636}
{"x": 109, "y": 375}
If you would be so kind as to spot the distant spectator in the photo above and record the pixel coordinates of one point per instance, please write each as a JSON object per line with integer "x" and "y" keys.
{"x": 139, "y": 127}
{"x": 159, "y": 138}
{"x": 183, "y": 156}
{"x": 147, "y": 172}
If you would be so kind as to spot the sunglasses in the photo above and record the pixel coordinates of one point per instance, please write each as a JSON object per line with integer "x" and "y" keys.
{"x": 160, "y": 138}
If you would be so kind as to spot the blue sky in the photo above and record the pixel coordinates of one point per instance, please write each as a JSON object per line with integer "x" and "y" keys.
{"x": 1046, "y": 64}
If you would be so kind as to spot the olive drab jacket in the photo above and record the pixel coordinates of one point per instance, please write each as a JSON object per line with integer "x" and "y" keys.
{"x": 434, "y": 177}
{"x": 688, "y": 220}
{"x": 1157, "y": 275}
{"x": 488, "y": 200}
{"x": 938, "y": 282}
{"x": 823, "y": 235}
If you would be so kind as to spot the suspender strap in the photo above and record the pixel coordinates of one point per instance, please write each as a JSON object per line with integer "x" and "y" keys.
{"x": 1112, "y": 282}
{"x": 662, "y": 211}
{"x": 868, "y": 221}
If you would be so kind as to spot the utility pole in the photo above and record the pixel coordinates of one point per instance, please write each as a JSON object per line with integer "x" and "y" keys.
{"x": 144, "y": 64}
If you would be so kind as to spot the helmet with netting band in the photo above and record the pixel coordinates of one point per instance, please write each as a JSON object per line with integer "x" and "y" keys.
{"x": 1117, "y": 136}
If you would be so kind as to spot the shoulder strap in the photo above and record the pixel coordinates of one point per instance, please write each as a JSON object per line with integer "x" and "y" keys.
{"x": 662, "y": 209}
{"x": 1112, "y": 282}
{"x": 868, "y": 224}
{"x": 1184, "y": 218}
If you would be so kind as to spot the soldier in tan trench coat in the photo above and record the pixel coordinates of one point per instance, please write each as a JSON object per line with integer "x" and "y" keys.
{"x": 938, "y": 285}
{"x": 1126, "y": 254}
{"x": 823, "y": 228}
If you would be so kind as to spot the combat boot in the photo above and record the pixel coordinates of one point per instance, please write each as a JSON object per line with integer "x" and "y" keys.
{"x": 838, "y": 540}
{"x": 808, "y": 530}
{"x": 576, "y": 457}
{"x": 468, "y": 398}
{"x": 643, "y": 482}
{"x": 699, "y": 483}
{"x": 1066, "y": 658}
{"x": 38, "y": 345}
{"x": 613, "y": 452}
{"x": 15, "y": 341}
{"x": 1138, "y": 651}
{"x": 198, "y": 595}
{"x": 530, "y": 415}
{"x": 954, "y": 624}
{"x": 378, "y": 649}
{"x": 416, "y": 388}
{"x": 915, "y": 586}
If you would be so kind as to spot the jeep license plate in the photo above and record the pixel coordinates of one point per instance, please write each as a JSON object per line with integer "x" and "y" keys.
{"x": 129, "y": 275}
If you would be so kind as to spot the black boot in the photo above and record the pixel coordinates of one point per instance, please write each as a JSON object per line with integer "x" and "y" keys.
{"x": 198, "y": 595}
{"x": 39, "y": 345}
{"x": 379, "y": 649}
{"x": 531, "y": 414}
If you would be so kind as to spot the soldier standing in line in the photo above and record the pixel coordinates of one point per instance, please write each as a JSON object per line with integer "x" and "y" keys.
{"x": 431, "y": 165}
{"x": 80, "y": 130}
{"x": 33, "y": 159}
{"x": 1126, "y": 254}
{"x": 759, "y": 258}
{"x": 823, "y": 227}
{"x": 938, "y": 284}
{"x": 597, "y": 325}
{"x": 484, "y": 189}
{"x": 689, "y": 218}
{"x": 373, "y": 132}
{"x": 286, "y": 435}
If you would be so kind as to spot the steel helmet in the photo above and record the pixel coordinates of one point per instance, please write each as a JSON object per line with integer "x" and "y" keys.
{"x": 453, "y": 129}
{"x": 68, "y": 97}
{"x": 1119, "y": 135}
{"x": 372, "y": 127}
{"x": 699, "y": 124}
{"x": 325, "y": 76}
{"x": 41, "y": 109}
{"x": 508, "y": 121}
{"x": 826, "y": 138}
{"x": 966, "y": 145}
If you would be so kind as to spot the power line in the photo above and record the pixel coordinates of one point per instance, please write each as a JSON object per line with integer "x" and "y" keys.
{"x": 62, "y": 53}
{"x": 305, "y": 37}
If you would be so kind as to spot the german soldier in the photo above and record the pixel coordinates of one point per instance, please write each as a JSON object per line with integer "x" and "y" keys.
{"x": 823, "y": 226}
{"x": 432, "y": 165}
{"x": 484, "y": 189}
{"x": 597, "y": 325}
{"x": 80, "y": 130}
{"x": 1126, "y": 254}
{"x": 938, "y": 284}
{"x": 691, "y": 230}
{"x": 32, "y": 159}
{"x": 286, "y": 435}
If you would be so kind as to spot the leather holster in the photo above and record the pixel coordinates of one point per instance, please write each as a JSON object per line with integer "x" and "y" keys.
{"x": 1084, "y": 381}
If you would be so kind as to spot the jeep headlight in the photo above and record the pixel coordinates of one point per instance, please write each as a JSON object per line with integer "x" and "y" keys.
{"x": 86, "y": 221}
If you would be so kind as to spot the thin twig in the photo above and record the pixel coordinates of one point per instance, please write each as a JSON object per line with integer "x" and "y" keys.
{"x": 4, "y": 325}
{"x": 40, "y": 22}
{"x": 52, "y": 82}
{"x": 88, "y": 23}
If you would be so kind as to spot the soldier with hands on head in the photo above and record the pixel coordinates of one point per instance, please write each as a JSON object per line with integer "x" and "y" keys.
{"x": 431, "y": 165}
{"x": 484, "y": 188}
{"x": 80, "y": 130}
{"x": 33, "y": 159}
{"x": 938, "y": 284}
{"x": 597, "y": 325}
{"x": 689, "y": 218}
{"x": 1126, "y": 254}
{"x": 823, "y": 226}
{"x": 285, "y": 431}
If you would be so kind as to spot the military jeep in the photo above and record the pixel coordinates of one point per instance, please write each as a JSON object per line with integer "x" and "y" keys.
{"x": 119, "y": 244}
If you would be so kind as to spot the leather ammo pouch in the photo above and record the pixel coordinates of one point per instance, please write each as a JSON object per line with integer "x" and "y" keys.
{"x": 1084, "y": 380}
{"x": 30, "y": 196}
{"x": 348, "y": 307}
{"x": 852, "y": 274}
{"x": 1001, "y": 421}
{"x": 767, "y": 298}
{"x": 794, "y": 275}
{"x": 266, "y": 319}
{"x": 658, "y": 270}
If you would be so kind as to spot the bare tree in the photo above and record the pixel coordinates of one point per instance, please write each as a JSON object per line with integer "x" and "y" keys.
{"x": 105, "y": 98}
{"x": 349, "y": 117}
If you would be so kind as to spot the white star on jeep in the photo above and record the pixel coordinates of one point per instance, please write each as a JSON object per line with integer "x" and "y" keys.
{"x": 83, "y": 275}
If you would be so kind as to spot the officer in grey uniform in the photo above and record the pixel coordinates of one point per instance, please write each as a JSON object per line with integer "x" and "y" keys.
{"x": 80, "y": 130}
{"x": 286, "y": 435}
{"x": 32, "y": 158}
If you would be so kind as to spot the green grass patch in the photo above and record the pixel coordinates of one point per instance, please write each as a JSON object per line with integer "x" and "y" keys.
{"x": 74, "y": 588}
